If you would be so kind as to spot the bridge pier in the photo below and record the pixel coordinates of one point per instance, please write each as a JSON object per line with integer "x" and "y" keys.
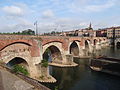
{"x": 34, "y": 72}
{"x": 67, "y": 61}
{"x": 98, "y": 46}
{"x": 91, "y": 48}
{"x": 104, "y": 44}
{"x": 82, "y": 53}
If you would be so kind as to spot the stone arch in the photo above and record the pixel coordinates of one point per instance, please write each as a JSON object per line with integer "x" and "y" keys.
{"x": 104, "y": 39}
{"x": 118, "y": 44}
{"x": 31, "y": 61}
{"x": 15, "y": 42}
{"x": 10, "y": 57}
{"x": 14, "y": 50}
{"x": 87, "y": 44}
{"x": 74, "y": 48}
{"x": 56, "y": 44}
{"x": 100, "y": 40}
{"x": 94, "y": 41}
{"x": 17, "y": 61}
{"x": 54, "y": 51}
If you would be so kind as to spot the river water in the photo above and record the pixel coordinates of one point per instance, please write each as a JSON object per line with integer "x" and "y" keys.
{"x": 83, "y": 78}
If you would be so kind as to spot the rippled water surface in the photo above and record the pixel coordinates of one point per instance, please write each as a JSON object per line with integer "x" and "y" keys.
{"x": 83, "y": 78}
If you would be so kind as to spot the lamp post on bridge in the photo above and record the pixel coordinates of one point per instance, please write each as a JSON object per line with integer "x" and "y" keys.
{"x": 36, "y": 28}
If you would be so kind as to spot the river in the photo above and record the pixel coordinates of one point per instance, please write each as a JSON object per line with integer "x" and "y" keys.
{"x": 83, "y": 78}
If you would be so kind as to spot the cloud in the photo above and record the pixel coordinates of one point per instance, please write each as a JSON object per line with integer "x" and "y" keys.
{"x": 97, "y": 8}
{"x": 83, "y": 24}
{"x": 48, "y": 14}
{"x": 94, "y": 7}
{"x": 58, "y": 15}
{"x": 16, "y": 27}
{"x": 13, "y": 10}
{"x": 62, "y": 24}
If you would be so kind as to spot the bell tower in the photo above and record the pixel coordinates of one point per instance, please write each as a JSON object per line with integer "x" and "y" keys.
{"x": 90, "y": 27}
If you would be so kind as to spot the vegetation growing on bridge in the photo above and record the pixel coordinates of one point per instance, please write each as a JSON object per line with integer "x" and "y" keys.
{"x": 20, "y": 69}
{"x": 44, "y": 63}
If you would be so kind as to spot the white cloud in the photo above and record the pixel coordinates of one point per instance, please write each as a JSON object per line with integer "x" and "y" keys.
{"x": 87, "y": 7}
{"x": 48, "y": 14}
{"x": 83, "y": 24}
{"x": 97, "y": 8}
{"x": 13, "y": 10}
{"x": 21, "y": 16}
{"x": 16, "y": 27}
{"x": 16, "y": 18}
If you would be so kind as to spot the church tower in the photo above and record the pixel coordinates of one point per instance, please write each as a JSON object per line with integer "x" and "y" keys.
{"x": 90, "y": 27}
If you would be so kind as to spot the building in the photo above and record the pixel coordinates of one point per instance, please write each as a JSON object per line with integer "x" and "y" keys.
{"x": 113, "y": 32}
{"x": 87, "y": 32}
{"x": 101, "y": 33}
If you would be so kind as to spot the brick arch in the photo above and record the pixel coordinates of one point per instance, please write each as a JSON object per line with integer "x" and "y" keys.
{"x": 78, "y": 45}
{"x": 100, "y": 40}
{"x": 15, "y": 49}
{"x": 56, "y": 44}
{"x": 33, "y": 45}
{"x": 103, "y": 39}
{"x": 7, "y": 43}
{"x": 14, "y": 43}
{"x": 25, "y": 58}
{"x": 47, "y": 42}
{"x": 117, "y": 43}
{"x": 95, "y": 41}
{"x": 88, "y": 42}
{"x": 11, "y": 57}
{"x": 56, "y": 51}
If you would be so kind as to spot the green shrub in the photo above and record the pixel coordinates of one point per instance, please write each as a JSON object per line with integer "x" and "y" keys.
{"x": 21, "y": 69}
{"x": 44, "y": 60}
{"x": 44, "y": 63}
{"x": 56, "y": 87}
{"x": 47, "y": 50}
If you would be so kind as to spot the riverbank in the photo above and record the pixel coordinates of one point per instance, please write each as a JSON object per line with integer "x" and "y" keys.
{"x": 16, "y": 81}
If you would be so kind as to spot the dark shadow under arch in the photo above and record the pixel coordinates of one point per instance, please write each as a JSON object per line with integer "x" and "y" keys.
{"x": 52, "y": 54}
{"x": 118, "y": 44}
{"x": 86, "y": 44}
{"x": 95, "y": 41}
{"x": 17, "y": 61}
{"x": 74, "y": 49}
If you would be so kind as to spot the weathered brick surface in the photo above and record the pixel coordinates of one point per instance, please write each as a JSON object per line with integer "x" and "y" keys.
{"x": 6, "y": 40}
{"x": 66, "y": 40}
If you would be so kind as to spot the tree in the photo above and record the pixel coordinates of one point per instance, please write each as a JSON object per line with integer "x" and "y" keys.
{"x": 28, "y": 32}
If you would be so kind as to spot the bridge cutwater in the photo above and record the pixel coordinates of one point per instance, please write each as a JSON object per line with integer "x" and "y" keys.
{"x": 30, "y": 51}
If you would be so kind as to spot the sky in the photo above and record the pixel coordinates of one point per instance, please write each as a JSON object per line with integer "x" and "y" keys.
{"x": 58, "y": 15}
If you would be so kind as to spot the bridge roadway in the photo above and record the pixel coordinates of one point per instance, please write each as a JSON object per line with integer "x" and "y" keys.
{"x": 31, "y": 50}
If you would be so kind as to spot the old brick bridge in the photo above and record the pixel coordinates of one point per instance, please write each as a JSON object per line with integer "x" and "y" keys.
{"x": 31, "y": 50}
